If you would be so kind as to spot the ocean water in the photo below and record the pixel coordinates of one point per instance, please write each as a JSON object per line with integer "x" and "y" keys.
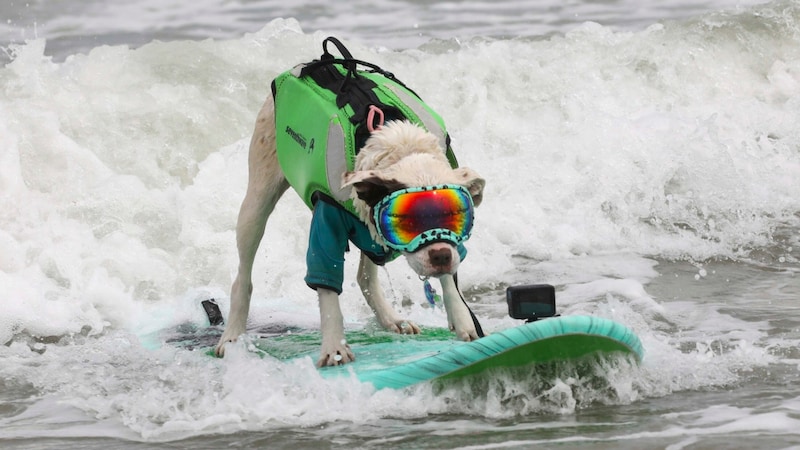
{"x": 643, "y": 157}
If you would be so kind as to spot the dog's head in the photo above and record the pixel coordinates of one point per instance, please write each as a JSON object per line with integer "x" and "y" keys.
{"x": 399, "y": 156}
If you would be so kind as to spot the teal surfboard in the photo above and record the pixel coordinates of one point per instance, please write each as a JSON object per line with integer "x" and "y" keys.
{"x": 388, "y": 360}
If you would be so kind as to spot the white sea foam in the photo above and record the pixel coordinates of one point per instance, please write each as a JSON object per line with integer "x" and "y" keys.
{"x": 121, "y": 173}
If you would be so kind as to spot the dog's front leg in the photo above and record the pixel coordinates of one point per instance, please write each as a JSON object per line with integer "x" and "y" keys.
{"x": 373, "y": 293}
{"x": 458, "y": 317}
{"x": 335, "y": 350}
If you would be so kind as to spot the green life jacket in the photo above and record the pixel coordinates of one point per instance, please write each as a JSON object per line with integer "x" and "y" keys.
{"x": 322, "y": 110}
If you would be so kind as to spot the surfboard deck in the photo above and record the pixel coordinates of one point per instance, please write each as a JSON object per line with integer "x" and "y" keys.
{"x": 389, "y": 360}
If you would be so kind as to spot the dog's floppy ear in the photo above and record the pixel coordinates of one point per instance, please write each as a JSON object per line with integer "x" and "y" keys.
{"x": 370, "y": 186}
{"x": 473, "y": 182}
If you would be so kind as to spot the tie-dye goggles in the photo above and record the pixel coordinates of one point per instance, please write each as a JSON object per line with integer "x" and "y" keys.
{"x": 410, "y": 218}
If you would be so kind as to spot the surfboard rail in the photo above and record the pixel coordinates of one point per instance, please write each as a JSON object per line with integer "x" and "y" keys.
{"x": 558, "y": 338}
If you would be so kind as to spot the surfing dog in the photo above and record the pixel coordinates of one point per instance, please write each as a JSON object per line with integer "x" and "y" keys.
{"x": 400, "y": 164}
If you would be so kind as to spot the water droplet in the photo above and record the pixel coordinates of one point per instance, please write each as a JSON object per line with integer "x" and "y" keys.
{"x": 337, "y": 357}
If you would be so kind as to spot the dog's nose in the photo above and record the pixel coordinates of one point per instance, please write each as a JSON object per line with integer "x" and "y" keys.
{"x": 440, "y": 256}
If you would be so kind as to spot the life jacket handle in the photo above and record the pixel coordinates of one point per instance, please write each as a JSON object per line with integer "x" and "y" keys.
{"x": 347, "y": 61}
{"x": 339, "y": 46}
{"x": 372, "y": 124}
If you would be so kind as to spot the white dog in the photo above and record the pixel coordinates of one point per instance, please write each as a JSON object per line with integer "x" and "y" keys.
{"x": 397, "y": 155}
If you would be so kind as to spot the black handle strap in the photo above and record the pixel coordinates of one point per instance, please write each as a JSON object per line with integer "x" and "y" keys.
{"x": 339, "y": 46}
{"x": 347, "y": 61}
{"x": 477, "y": 324}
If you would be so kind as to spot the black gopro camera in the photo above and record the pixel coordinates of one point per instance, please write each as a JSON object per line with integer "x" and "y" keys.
{"x": 531, "y": 302}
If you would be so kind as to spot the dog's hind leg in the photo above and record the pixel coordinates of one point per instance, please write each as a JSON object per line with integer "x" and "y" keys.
{"x": 458, "y": 317}
{"x": 265, "y": 186}
{"x": 373, "y": 293}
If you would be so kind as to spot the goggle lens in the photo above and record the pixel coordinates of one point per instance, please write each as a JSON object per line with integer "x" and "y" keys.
{"x": 409, "y": 218}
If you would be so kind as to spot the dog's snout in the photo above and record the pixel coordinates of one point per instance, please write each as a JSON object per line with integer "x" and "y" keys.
{"x": 440, "y": 256}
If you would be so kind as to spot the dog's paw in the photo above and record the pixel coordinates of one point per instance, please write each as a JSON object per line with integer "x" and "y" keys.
{"x": 466, "y": 333}
{"x": 219, "y": 350}
{"x": 335, "y": 354}
{"x": 227, "y": 336}
{"x": 460, "y": 322}
{"x": 400, "y": 326}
